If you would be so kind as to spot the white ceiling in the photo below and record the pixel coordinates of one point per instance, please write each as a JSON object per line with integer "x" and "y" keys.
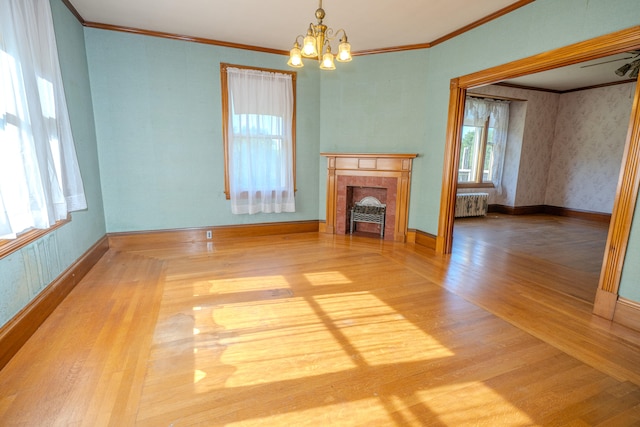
{"x": 585, "y": 74}
{"x": 274, "y": 24}
{"x": 370, "y": 25}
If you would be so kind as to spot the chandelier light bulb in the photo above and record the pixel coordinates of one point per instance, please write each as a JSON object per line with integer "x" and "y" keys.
{"x": 309, "y": 46}
{"x": 327, "y": 60}
{"x": 295, "y": 57}
{"x": 344, "y": 51}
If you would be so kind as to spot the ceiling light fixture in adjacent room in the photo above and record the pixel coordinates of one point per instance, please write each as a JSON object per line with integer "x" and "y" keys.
{"x": 317, "y": 43}
{"x": 630, "y": 67}
{"x": 635, "y": 66}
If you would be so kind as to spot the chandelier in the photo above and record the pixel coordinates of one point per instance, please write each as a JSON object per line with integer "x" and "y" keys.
{"x": 317, "y": 43}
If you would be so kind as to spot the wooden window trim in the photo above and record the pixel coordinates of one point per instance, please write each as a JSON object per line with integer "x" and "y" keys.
{"x": 476, "y": 185}
{"x": 483, "y": 152}
{"x": 478, "y": 182}
{"x": 8, "y": 247}
{"x": 225, "y": 118}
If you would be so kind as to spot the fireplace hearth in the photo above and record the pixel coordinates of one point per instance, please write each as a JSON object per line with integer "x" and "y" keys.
{"x": 351, "y": 177}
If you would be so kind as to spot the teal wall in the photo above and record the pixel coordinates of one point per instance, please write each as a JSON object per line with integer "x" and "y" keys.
{"x": 630, "y": 281}
{"x": 24, "y": 273}
{"x": 377, "y": 104}
{"x": 159, "y": 126}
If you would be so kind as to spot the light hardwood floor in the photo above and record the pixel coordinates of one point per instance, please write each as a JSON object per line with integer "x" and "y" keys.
{"x": 571, "y": 250}
{"x": 314, "y": 329}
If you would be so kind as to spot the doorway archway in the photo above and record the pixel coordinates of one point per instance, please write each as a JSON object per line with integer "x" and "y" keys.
{"x": 627, "y": 191}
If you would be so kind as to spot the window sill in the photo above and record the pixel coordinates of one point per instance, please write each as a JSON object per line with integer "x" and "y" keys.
{"x": 8, "y": 247}
{"x": 476, "y": 185}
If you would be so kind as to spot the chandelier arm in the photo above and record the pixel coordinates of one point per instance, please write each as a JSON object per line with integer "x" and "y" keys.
{"x": 331, "y": 35}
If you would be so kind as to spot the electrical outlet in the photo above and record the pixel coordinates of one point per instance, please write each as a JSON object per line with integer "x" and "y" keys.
{"x": 209, "y": 234}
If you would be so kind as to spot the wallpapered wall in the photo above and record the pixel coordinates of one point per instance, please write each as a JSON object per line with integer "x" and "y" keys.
{"x": 531, "y": 128}
{"x": 515, "y": 135}
{"x": 564, "y": 150}
{"x": 591, "y": 129}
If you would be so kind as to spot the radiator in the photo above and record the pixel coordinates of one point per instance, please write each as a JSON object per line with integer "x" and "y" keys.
{"x": 471, "y": 204}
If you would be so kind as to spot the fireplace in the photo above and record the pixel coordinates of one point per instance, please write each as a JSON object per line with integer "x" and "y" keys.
{"x": 352, "y": 189}
{"x": 351, "y": 177}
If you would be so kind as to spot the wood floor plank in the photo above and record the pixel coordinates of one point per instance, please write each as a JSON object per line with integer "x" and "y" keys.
{"x": 88, "y": 348}
{"x": 312, "y": 329}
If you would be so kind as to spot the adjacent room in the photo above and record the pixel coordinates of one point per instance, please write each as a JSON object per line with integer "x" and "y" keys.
{"x": 563, "y": 148}
{"x": 232, "y": 213}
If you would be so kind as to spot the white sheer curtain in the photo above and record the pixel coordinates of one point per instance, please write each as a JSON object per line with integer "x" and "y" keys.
{"x": 40, "y": 180}
{"x": 476, "y": 111}
{"x": 260, "y": 141}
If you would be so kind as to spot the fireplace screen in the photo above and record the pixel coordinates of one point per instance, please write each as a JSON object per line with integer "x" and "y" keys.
{"x": 369, "y": 210}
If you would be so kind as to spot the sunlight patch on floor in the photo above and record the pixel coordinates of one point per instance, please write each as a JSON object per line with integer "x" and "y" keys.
{"x": 370, "y": 411}
{"x": 274, "y": 341}
{"x": 362, "y": 319}
{"x": 472, "y": 403}
{"x": 198, "y": 375}
{"x": 246, "y": 284}
{"x": 327, "y": 278}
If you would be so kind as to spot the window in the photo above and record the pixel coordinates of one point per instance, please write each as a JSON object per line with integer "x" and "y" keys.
{"x": 40, "y": 180}
{"x": 476, "y": 154}
{"x": 482, "y": 148}
{"x": 258, "y": 114}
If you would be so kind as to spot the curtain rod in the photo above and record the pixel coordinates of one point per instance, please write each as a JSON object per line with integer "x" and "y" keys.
{"x": 494, "y": 97}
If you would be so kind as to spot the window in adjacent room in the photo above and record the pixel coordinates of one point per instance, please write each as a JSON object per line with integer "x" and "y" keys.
{"x": 258, "y": 113}
{"x": 40, "y": 179}
{"x": 484, "y": 136}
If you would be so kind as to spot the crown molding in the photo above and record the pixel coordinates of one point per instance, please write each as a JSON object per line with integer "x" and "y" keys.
{"x": 495, "y": 15}
{"x": 74, "y": 11}
{"x": 203, "y": 40}
{"x": 182, "y": 37}
{"x": 560, "y": 92}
